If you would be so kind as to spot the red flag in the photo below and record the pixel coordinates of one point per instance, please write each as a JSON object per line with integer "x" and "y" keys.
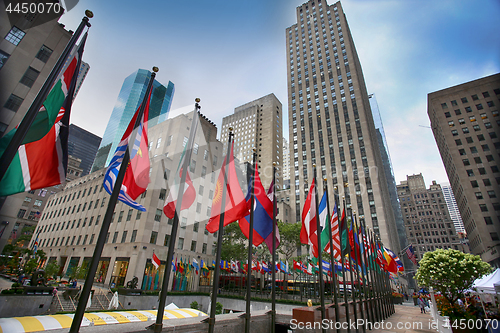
{"x": 187, "y": 199}
{"x": 308, "y": 231}
{"x": 235, "y": 204}
{"x": 156, "y": 262}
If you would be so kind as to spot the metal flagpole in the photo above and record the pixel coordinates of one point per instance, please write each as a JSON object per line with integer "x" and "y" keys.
{"x": 215, "y": 289}
{"x": 332, "y": 262}
{"x": 369, "y": 281}
{"x": 84, "y": 295}
{"x": 273, "y": 269}
{"x": 376, "y": 303}
{"x": 344, "y": 273}
{"x": 320, "y": 250}
{"x": 351, "y": 275}
{"x": 24, "y": 126}
{"x": 158, "y": 326}
{"x": 359, "y": 268}
{"x": 250, "y": 244}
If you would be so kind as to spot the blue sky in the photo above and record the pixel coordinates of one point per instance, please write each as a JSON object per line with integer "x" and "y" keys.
{"x": 231, "y": 52}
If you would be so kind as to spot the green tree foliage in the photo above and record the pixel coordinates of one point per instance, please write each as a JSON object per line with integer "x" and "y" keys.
{"x": 52, "y": 269}
{"x": 234, "y": 243}
{"x": 289, "y": 238}
{"x": 450, "y": 271}
{"x": 30, "y": 266}
{"x": 78, "y": 272}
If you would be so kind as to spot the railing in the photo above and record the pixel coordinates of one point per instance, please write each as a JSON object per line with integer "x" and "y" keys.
{"x": 442, "y": 322}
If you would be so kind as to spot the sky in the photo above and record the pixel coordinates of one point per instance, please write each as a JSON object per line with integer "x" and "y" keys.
{"x": 229, "y": 53}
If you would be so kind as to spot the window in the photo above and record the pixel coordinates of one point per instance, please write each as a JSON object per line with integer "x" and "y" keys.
{"x": 462, "y": 152}
{"x": 163, "y": 194}
{"x": 488, "y": 220}
{"x": 134, "y": 235}
{"x": 13, "y": 103}
{"x": 154, "y": 236}
{"x": 479, "y": 106}
{"x": 204, "y": 248}
{"x": 29, "y": 77}
{"x": 458, "y": 112}
{"x": 15, "y": 35}
{"x": 468, "y": 109}
{"x": 120, "y": 216}
{"x": 477, "y": 159}
{"x": 480, "y": 137}
{"x": 200, "y": 191}
{"x": 21, "y": 213}
{"x": 466, "y": 161}
{"x": 129, "y": 215}
{"x": 464, "y": 100}
{"x": 465, "y": 130}
{"x": 492, "y": 194}
{"x": 193, "y": 246}
{"x": 115, "y": 236}
{"x": 124, "y": 236}
{"x": 486, "y": 182}
{"x": 494, "y": 236}
{"x": 470, "y": 173}
{"x": 483, "y": 207}
{"x": 473, "y": 150}
{"x": 198, "y": 207}
{"x": 180, "y": 244}
{"x": 166, "y": 242}
{"x": 454, "y": 132}
{"x": 474, "y": 183}
{"x": 183, "y": 222}
{"x": 196, "y": 226}
{"x": 474, "y": 97}
{"x": 158, "y": 215}
{"x": 3, "y": 58}
{"x": 469, "y": 139}
{"x": 479, "y": 195}
{"x": 485, "y": 147}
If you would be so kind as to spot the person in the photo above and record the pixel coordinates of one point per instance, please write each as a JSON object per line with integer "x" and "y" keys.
{"x": 54, "y": 292}
{"x": 422, "y": 304}
{"x": 73, "y": 285}
{"x": 415, "y": 299}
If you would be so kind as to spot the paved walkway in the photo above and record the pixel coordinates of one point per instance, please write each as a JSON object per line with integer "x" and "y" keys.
{"x": 407, "y": 319}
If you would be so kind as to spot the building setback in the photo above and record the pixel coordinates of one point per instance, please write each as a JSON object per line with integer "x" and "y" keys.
{"x": 257, "y": 124}
{"x": 28, "y": 52}
{"x": 130, "y": 97}
{"x": 453, "y": 208}
{"x": 70, "y": 224}
{"x": 427, "y": 220}
{"x": 466, "y": 126}
{"x": 330, "y": 121}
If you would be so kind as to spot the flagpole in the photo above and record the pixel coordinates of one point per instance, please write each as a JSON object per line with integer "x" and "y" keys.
{"x": 320, "y": 250}
{"x": 368, "y": 298}
{"x": 373, "y": 282}
{"x": 344, "y": 262}
{"x": 359, "y": 263}
{"x": 24, "y": 126}
{"x": 211, "y": 319}
{"x": 250, "y": 243}
{"x": 377, "y": 275}
{"x": 273, "y": 269}
{"x": 353, "y": 292}
{"x": 84, "y": 295}
{"x": 158, "y": 326}
{"x": 332, "y": 263}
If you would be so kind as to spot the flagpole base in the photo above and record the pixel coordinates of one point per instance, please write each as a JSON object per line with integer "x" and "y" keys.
{"x": 210, "y": 321}
{"x": 155, "y": 327}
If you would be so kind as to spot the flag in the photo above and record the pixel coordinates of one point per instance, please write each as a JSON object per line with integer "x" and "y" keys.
{"x": 297, "y": 266}
{"x": 324, "y": 216}
{"x": 181, "y": 266}
{"x": 195, "y": 265}
{"x": 189, "y": 191}
{"x": 283, "y": 267}
{"x": 156, "y": 262}
{"x": 308, "y": 231}
{"x": 256, "y": 265}
{"x": 234, "y": 267}
{"x": 335, "y": 235}
{"x": 262, "y": 213}
{"x": 42, "y": 158}
{"x": 411, "y": 254}
{"x": 326, "y": 267}
{"x": 269, "y": 239}
{"x": 344, "y": 234}
{"x": 390, "y": 257}
{"x": 265, "y": 268}
{"x": 235, "y": 205}
{"x": 136, "y": 178}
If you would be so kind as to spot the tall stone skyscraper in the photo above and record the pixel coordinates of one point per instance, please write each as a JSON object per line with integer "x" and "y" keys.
{"x": 466, "y": 126}
{"x": 257, "y": 124}
{"x": 130, "y": 97}
{"x": 330, "y": 121}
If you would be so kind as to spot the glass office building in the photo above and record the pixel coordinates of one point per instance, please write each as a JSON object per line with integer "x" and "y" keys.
{"x": 130, "y": 97}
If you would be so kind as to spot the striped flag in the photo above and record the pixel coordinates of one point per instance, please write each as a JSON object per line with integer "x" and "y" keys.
{"x": 411, "y": 254}
{"x": 335, "y": 235}
{"x": 156, "y": 262}
{"x": 308, "y": 231}
{"x": 136, "y": 178}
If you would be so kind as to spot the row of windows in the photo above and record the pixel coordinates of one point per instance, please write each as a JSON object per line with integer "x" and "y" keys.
{"x": 474, "y": 97}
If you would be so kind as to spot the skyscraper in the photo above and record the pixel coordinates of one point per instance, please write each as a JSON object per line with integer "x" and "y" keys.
{"x": 466, "y": 126}
{"x": 257, "y": 124}
{"x": 83, "y": 145}
{"x": 286, "y": 164}
{"x": 130, "y": 97}
{"x": 330, "y": 121}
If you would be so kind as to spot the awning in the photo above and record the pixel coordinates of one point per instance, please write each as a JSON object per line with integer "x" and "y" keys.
{"x": 50, "y": 322}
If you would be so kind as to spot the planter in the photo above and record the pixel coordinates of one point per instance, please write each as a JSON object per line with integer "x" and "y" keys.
{"x": 397, "y": 300}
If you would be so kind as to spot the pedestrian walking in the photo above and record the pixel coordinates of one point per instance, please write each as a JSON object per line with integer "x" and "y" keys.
{"x": 422, "y": 304}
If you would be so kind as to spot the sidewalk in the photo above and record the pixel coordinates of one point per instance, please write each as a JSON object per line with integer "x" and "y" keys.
{"x": 407, "y": 319}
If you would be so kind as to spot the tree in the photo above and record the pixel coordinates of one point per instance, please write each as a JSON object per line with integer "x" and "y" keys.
{"x": 450, "y": 271}
{"x": 234, "y": 243}
{"x": 78, "y": 272}
{"x": 289, "y": 238}
{"x": 52, "y": 269}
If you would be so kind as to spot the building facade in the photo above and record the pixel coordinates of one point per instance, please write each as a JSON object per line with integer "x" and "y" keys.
{"x": 28, "y": 52}
{"x": 130, "y": 97}
{"x": 83, "y": 145}
{"x": 70, "y": 225}
{"x": 258, "y": 124}
{"x": 427, "y": 220}
{"x": 466, "y": 126}
{"x": 286, "y": 164}
{"x": 330, "y": 121}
